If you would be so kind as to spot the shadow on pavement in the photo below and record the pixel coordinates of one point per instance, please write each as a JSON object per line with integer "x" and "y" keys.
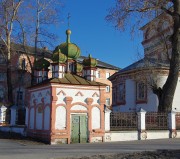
{"x": 19, "y": 137}
{"x": 159, "y": 154}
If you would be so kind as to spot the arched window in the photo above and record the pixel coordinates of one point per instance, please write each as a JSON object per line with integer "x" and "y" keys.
{"x": 141, "y": 92}
{"x": 23, "y": 64}
{"x": 1, "y": 94}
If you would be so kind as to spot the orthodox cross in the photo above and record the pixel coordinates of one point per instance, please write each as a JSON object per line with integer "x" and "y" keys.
{"x": 69, "y": 16}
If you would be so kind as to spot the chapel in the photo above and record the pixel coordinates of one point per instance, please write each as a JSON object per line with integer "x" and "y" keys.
{"x": 67, "y": 107}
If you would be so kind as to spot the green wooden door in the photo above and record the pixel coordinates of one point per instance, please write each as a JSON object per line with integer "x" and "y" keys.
{"x": 83, "y": 129}
{"x": 75, "y": 126}
{"x": 79, "y": 129}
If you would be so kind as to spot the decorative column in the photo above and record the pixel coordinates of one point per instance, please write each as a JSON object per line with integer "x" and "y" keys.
{"x": 35, "y": 107}
{"x": 172, "y": 124}
{"x": 102, "y": 103}
{"x": 142, "y": 134}
{"x": 107, "y": 119}
{"x": 53, "y": 113}
{"x": 89, "y": 102}
{"x": 68, "y": 101}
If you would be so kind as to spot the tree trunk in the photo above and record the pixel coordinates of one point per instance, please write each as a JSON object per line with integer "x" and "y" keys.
{"x": 168, "y": 91}
{"x": 10, "y": 99}
{"x": 9, "y": 79}
{"x": 32, "y": 77}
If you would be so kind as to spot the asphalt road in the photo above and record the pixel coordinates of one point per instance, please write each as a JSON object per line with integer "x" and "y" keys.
{"x": 20, "y": 149}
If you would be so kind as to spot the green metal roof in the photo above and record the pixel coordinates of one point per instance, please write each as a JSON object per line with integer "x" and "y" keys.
{"x": 100, "y": 64}
{"x": 71, "y": 50}
{"x": 70, "y": 79}
{"x": 58, "y": 57}
{"x": 73, "y": 79}
{"x": 41, "y": 64}
{"x": 90, "y": 62}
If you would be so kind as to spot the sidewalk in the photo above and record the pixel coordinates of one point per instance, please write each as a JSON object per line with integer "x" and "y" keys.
{"x": 144, "y": 149}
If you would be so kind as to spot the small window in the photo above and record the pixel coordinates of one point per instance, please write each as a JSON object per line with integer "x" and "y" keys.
{"x": 98, "y": 74}
{"x": 39, "y": 79}
{"x": 2, "y": 59}
{"x": 2, "y": 94}
{"x": 44, "y": 74}
{"x": 23, "y": 65}
{"x": 53, "y": 75}
{"x": 39, "y": 73}
{"x": 107, "y": 88}
{"x": 71, "y": 67}
{"x": 56, "y": 68}
{"x": 19, "y": 95}
{"x": 107, "y": 74}
{"x": 2, "y": 76}
{"x": 19, "y": 98}
{"x": 114, "y": 97}
{"x": 122, "y": 92}
{"x": 94, "y": 73}
{"x": 108, "y": 101}
{"x": 141, "y": 91}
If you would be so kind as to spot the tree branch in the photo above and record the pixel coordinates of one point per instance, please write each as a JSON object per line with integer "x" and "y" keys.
{"x": 167, "y": 11}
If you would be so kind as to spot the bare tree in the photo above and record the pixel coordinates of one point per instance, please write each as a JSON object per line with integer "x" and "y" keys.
{"x": 43, "y": 14}
{"x": 142, "y": 10}
{"x": 27, "y": 23}
{"x": 8, "y": 15}
{"x": 46, "y": 14}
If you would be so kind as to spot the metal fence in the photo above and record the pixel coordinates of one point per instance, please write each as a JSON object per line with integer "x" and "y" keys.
{"x": 156, "y": 121}
{"x": 123, "y": 121}
{"x": 177, "y": 121}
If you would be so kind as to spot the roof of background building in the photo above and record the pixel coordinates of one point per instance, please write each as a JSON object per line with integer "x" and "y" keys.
{"x": 30, "y": 50}
{"x": 48, "y": 54}
{"x": 145, "y": 63}
{"x": 99, "y": 63}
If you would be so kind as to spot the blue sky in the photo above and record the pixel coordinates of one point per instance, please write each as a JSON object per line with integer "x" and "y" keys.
{"x": 95, "y": 36}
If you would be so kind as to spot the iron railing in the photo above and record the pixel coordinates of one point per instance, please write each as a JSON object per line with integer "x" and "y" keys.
{"x": 156, "y": 121}
{"x": 177, "y": 121}
{"x": 123, "y": 121}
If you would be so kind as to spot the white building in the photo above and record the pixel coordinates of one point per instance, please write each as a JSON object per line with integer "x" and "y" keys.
{"x": 132, "y": 86}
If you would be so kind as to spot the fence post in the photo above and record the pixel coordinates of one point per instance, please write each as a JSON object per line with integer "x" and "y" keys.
{"x": 142, "y": 134}
{"x": 13, "y": 115}
{"x": 2, "y": 114}
{"x": 172, "y": 124}
{"x": 26, "y": 117}
{"x": 107, "y": 119}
